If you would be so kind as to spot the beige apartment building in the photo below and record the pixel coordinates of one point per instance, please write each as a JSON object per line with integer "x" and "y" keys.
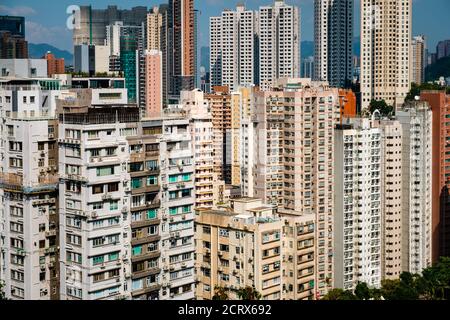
{"x": 251, "y": 244}
{"x": 294, "y": 166}
{"x": 220, "y": 103}
{"x": 209, "y": 190}
{"x": 241, "y": 124}
{"x": 385, "y": 51}
{"x": 392, "y": 200}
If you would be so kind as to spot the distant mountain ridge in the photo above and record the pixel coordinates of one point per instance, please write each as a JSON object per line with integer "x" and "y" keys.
{"x": 37, "y": 51}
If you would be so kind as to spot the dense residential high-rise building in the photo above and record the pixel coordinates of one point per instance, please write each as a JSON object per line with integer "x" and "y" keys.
{"x": 385, "y": 51}
{"x": 178, "y": 204}
{"x": 440, "y": 103}
{"x": 153, "y": 83}
{"x": 164, "y": 254}
{"x": 12, "y": 38}
{"x": 358, "y": 206}
{"x": 294, "y": 167}
{"x": 391, "y": 198}
{"x": 157, "y": 39}
{"x": 54, "y": 65}
{"x": 247, "y": 245}
{"x": 333, "y": 41}
{"x": 181, "y": 46}
{"x": 307, "y": 70}
{"x": 90, "y": 24}
{"x": 12, "y": 47}
{"x": 418, "y": 59}
{"x": 220, "y": 103}
{"x": 233, "y": 43}
{"x": 209, "y": 190}
{"x": 94, "y": 256}
{"x": 29, "y": 182}
{"x": 279, "y": 43}
{"x": 154, "y": 29}
{"x": 242, "y": 139}
{"x": 443, "y": 49}
{"x": 417, "y": 126}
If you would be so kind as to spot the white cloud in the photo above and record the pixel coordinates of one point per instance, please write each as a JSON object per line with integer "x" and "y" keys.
{"x": 59, "y": 37}
{"x": 17, "y": 11}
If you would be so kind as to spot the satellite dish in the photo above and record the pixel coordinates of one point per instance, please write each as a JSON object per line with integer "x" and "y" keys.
{"x": 417, "y": 98}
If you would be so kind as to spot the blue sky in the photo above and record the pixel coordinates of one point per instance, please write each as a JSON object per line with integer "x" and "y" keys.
{"x": 46, "y": 19}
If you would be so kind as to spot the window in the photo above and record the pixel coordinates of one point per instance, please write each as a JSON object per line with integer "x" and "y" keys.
{"x": 113, "y": 187}
{"x": 207, "y": 230}
{"x": 97, "y": 206}
{"x": 97, "y": 242}
{"x": 152, "y": 181}
{"x": 15, "y": 163}
{"x": 151, "y": 214}
{"x": 97, "y": 189}
{"x": 137, "y": 251}
{"x": 98, "y": 260}
{"x": 114, "y": 205}
{"x": 113, "y": 256}
{"x": 105, "y": 171}
{"x": 224, "y": 233}
{"x": 73, "y": 257}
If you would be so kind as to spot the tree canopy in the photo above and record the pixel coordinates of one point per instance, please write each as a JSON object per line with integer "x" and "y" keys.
{"x": 416, "y": 89}
{"x": 433, "y": 284}
{"x": 381, "y": 105}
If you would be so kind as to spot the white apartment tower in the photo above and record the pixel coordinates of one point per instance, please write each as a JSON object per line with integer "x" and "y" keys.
{"x": 333, "y": 39}
{"x": 385, "y": 51}
{"x": 233, "y": 48}
{"x": 94, "y": 179}
{"x": 279, "y": 43}
{"x": 294, "y": 166}
{"x": 416, "y": 120}
{"x": 358, "y": 206}
{"x": 29, "y": 240}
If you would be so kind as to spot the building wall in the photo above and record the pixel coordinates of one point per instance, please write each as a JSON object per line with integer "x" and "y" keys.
{"x": 294, "y": 147}
{"x": 333, "y": 34}
{"x": 23, "y": 68}
{"x": 29, "y": 236}
{"x": 392, "y": 201}
{"x": 358, "y": 206}
{"x": 439, "y": 103}
{"x": 385, "y": 51}
{"x": 153, "y": 83}
{"x": 418, "y": 59}
{"x": 417, "y": 122}
{"x": 286, "y": 30}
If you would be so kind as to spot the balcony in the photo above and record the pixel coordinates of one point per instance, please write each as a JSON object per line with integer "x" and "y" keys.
{"x": 145, "y": 239}
{"x": 145, "y": 273}
{"x": 149, "y": 205}
{"x": 145, "y": 223}
{"x": 152, "y": 288}
{"x": 146, "y": 256}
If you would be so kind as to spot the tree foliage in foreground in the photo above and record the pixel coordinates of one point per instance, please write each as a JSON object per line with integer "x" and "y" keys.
{"x": 433, "y": 284}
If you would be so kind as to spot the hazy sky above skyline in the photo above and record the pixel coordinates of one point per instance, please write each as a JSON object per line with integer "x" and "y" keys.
{"x": 46, "y": 19}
